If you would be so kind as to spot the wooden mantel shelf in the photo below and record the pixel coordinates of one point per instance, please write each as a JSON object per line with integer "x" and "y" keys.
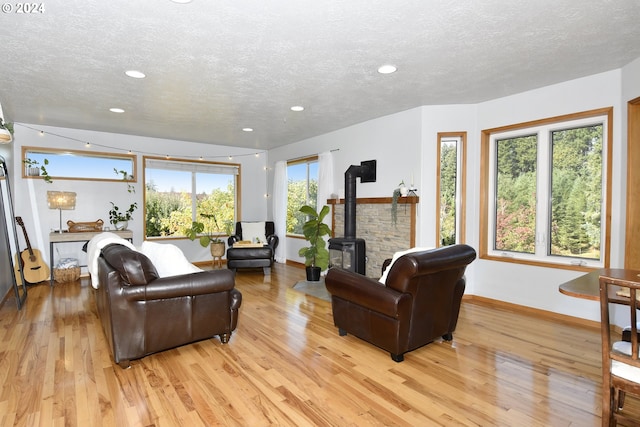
{"x": 408, "y": 200}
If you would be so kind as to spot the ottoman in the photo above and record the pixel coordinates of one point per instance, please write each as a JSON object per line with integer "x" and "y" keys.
{"x": 239, "y": 257}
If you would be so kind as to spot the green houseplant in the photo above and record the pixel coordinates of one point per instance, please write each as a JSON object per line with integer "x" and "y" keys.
{"x": 206, "y": 232}
{"x": 34, "y": 168}
{"x": 316, "y": 255}
{"x": 120, "y": 218}
{"x": 397, "y": 193}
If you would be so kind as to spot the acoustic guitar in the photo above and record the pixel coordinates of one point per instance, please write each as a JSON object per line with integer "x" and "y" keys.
{"x": 35, "y": 270}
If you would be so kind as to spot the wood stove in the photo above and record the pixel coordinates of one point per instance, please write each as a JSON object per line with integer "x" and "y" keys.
{"x": 349, "y": 252}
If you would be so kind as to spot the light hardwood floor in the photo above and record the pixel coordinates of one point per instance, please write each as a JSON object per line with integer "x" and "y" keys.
{"x": 286, "y": 365}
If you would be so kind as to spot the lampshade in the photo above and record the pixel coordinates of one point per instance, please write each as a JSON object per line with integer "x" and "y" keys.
{"x": 61, "y": 200}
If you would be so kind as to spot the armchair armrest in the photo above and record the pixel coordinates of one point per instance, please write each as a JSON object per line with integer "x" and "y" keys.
{"x": 273, "y": 240}
{"x": 199, "y": 283}
{"x": 366, "y": 292}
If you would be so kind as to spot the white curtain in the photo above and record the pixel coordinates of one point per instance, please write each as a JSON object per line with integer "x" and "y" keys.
{"x": 280, "y": 209}
{"x": 325, "y": 180}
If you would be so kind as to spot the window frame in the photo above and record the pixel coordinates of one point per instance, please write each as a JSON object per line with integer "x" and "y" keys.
{"x": 307, "y": 161}
{"x": 130, "y": 178}
{"x": 487, "y": 196}
{"x": 196, "y": 163}
{"x": 461, "y": 192}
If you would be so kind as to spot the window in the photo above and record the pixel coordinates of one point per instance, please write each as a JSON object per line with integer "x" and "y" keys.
{"x": 75, "y": 164}
{"x": 450, "y": 223}
{"x": 302, "y": 189}
{"x": 545, "y": 191}
{"x": 178, "y": 192}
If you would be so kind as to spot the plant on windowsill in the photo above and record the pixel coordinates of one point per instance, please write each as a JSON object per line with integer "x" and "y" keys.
{"x": 34, "y": 168}
{"x": 316, "y": 255}
{"x": 120, "y": 218}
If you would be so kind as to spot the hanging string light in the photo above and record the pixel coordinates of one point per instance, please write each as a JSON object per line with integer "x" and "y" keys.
{"x": 88, "y": 144}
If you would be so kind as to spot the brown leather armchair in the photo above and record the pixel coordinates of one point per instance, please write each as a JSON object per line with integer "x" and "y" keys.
{"x": 419, "y": 303}
{"x": 241, "y": 257}
{"x": 143, "y": 314}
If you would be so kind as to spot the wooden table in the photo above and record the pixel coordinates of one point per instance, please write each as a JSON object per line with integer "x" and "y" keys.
{"x": 66, "y": 237}
{"x": 588, "y": 286}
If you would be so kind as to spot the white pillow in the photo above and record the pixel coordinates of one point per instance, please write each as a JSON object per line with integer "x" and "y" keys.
{"x": 397, "y": 255}
{"x": 168, "y": 259}
{"x": 252, "y": 231}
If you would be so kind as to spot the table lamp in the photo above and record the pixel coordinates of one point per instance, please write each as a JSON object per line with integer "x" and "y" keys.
{"x": 61, "y": 200}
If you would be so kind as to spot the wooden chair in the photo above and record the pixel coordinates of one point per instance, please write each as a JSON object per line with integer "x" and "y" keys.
{"x": 620, "y": 364}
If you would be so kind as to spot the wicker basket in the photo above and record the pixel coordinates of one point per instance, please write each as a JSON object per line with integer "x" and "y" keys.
{"x": 82, "y": 227}
{"x": 65, "y": 275}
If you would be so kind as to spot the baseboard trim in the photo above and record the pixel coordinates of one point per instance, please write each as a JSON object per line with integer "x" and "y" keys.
{"x": 295, "y": 264}
{"x": 530, "y": 311}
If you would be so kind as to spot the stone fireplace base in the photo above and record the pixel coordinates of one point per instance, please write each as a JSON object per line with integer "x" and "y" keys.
{"x": 373, "y": 224}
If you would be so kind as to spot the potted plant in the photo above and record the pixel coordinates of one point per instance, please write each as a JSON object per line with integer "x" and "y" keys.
{"x": 316, "y": 255}
{"x": 8, "y": 126}
{"x": 400, "y": 191}
{"x": 34, "y": 168}
{"x": 117, "y": 217}
{"x": 208, "y": 234}
{"x": 120, "y": 218}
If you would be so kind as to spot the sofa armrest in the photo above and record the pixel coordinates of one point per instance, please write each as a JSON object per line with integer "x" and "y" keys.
{"x": 200, "y": 283}
{"x": 366, "y": 292}
{"x": 232, "y": 239}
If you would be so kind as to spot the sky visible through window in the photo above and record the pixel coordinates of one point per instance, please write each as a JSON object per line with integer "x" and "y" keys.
{"x": 78, "y": 166}
{"x": 298, "y": 172}
{"x": 180, "y": 181}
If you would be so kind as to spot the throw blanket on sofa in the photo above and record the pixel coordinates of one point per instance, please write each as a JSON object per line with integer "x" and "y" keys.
{"x": 167, "y": 258}
{"x": 94, "y": 247}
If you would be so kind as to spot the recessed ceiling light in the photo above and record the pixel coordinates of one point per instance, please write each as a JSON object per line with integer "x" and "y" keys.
{"x": 181, "y": 1}
{"x": 135, "y": 74}
{"x": 387, "y": 69}
{"x": 247, "y": 129}
{"x": 297, "y": 108}
{"x": 116, "y": 110}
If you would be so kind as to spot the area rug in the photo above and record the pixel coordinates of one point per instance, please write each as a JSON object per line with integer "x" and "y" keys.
{"x": 316, "y": 289}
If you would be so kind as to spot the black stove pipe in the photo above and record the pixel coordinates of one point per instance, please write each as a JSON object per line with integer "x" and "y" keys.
{"x": 367, "y": 173}
{"x": 350, "y": 201}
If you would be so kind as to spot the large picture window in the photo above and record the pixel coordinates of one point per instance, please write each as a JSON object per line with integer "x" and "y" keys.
{"x": 178, "y": 192}
{"x": 545, "y": 191}
{"x": 302, "y": 189}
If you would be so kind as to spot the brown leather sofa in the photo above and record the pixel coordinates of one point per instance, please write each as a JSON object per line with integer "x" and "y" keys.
{"x": 143, "y": 314}
{"x": 419, "y": 303}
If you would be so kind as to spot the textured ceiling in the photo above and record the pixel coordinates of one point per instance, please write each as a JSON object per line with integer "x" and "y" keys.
{"x": 214, "y": 67}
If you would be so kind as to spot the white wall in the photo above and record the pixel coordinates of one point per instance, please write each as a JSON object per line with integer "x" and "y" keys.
{"x": 93, "y": 198}
{"x": 406, "y": 143}
{"x": 536, "y": 286}
{"x": 394, "y": 141}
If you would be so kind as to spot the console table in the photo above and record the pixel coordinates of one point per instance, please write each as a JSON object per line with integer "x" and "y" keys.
{"x": 66, "y": 237}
